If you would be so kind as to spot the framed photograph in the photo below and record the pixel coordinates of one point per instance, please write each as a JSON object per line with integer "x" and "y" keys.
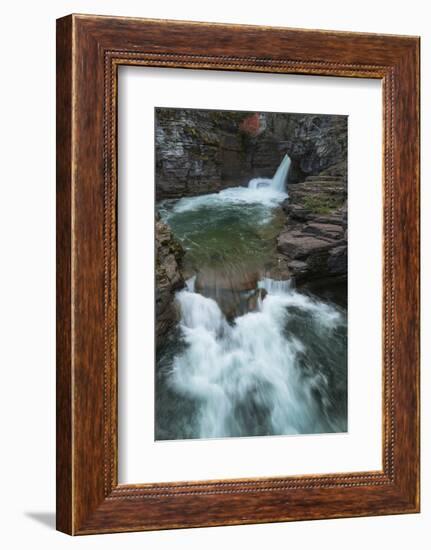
{"x": 237, "y": 274}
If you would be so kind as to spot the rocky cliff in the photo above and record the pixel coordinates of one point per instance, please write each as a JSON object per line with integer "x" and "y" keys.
{"x": 202, "y": 151}
{"x": 197, "y": 151}
{"x": 314, "y": 241}
{"x": 169, "y": 254}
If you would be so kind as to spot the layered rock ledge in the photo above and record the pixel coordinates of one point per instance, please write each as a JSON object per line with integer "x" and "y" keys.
{"x": 314, "y": 240}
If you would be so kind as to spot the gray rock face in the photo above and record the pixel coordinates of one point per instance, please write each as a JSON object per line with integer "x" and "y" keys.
{"x": 197, "y": 151}
{"x": 169, "y": 253}
{"x": 316, "y": 143}
{"x": 200, "y": 152}
{"x": 337, "y": 261}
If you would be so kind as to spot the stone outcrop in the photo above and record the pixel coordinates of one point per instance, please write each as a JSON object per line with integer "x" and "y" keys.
{"x": 314, "y": 240}
{"x": 203, "y": 151}
{"x": 315, "y": 143}
{"x": 169, "y": 254}
{"x": 197, "y": 151}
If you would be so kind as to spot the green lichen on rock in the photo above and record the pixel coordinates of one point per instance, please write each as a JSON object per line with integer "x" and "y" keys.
{"x": 322, "y": 204}
{"x": 314, "y": 241}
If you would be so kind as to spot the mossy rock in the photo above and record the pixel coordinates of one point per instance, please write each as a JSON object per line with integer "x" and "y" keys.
{"x": 324, "y": 204}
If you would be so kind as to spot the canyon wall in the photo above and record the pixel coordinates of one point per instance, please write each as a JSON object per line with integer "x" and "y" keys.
{"x": 199, "y": 152}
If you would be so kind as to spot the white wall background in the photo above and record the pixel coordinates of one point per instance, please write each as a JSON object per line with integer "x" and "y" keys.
{"x": 27, "y": 255}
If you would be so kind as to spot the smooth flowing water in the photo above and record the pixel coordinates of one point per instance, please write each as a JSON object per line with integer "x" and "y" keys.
{"x": 251, "y": 355}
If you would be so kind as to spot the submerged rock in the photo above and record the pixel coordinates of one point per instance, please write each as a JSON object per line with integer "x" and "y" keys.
{"x": 229, "y": 288}
{"x": 253, "y": 300}
{"x": 223, "y": 279}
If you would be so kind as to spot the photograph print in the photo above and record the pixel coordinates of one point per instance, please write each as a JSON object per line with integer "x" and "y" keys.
{"x": 250, "y": 273}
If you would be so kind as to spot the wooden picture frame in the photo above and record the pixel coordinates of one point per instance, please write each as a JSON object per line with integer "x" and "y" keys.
{"x": 89, "y": 51}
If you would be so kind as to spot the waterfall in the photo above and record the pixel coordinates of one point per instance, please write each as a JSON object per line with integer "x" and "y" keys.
{"x": 277, "y": 182}
{"x": 190, "y": 283}
{"x": 273, "y": 286}
{"x": 250, "y": 355}
{"x": 266, "y": 192}
{"x": 246, "y": 377}
{"x": 279, "y": 179}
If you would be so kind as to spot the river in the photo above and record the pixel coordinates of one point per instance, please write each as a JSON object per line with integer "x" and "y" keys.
{"x": 251, "y": 355}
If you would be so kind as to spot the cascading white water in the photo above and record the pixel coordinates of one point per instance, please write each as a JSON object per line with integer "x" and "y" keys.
{"x": 263, "y": 359}
{"x": 239, "y": 371}
{"x": 278, "y": 181}
{"x": 190, "y": 283}
{"x": 273, "y": 286}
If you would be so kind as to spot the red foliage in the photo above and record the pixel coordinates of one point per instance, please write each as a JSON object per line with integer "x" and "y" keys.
{"x": 251, "y": 125}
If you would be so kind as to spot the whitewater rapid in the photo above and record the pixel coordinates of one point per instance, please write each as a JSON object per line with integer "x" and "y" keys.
{"x": 240, "y": 372}
{"x": 277, "y": 369}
